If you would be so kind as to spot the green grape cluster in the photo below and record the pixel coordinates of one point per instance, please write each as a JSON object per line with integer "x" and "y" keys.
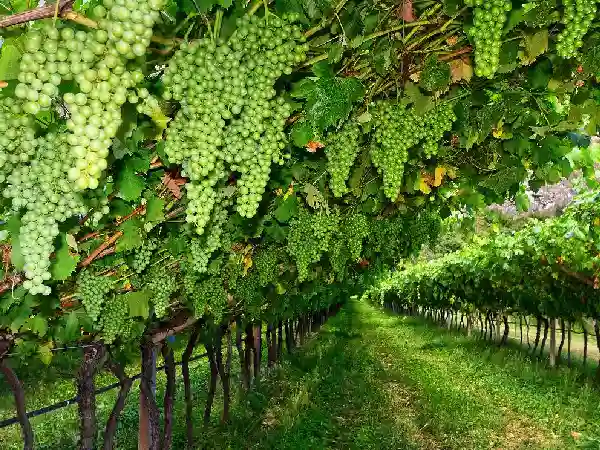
{"x": 489, "y": 18}
{"x": 17, "y": 136}
{"x": 202, "y": 248}
{"x": 210, "y": 297}
{"x": 435, "y": 124}
{"x": 341, "y": 148}
{"x": 229, "y": 111}
{"x": 338, "y": 258}
{"x": 162, "y": 283}
{"x": 92, "y": 290}
{"x": 577, "y": 18}
{"x": 424, "y": 228}
{"x": 309, "y": 237}
{"x": 96, "y": 61}
{"x": 266, "y": 262}
{"x": 114, "y": 319}
{"x": 248, "y": 290}
{"x": 398, "y": 130}
{"x": 48, "y": 199}
{"x": 98, "y": 202}
{"x": 143, "y": 255}
{"x": 354, "y": 229}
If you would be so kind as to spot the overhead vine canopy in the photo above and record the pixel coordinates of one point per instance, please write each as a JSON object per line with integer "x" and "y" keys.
{"x": 168, "y": 159}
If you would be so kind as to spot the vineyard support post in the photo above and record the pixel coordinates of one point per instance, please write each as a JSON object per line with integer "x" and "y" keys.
{"x": 569, "y": 330}
{"x": 92, "y": 357}
{"x": 113, "y": 419}
{"x": 149, "y": 432}
{"x": 185, "y": 371}
{"x": 169, "y": 396}
{"x": 20, "y": 405}
{"x": 553, "y": 342}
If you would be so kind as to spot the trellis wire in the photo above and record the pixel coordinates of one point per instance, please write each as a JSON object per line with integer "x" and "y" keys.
{"x": 63, "y": 404}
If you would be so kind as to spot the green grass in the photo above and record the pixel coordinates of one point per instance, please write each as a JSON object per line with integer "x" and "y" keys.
{"x": 370, "y": 380}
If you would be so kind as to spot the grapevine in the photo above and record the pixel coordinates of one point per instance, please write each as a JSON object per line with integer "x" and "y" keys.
{"x": 114, "y": 319}
{"x": 341, "y": 150}
{"x": 162, "y": 283}
{"x": 489, "y": 18}
{"x": 577, "y": 19}
{"x": 230, "y": 113}
{"x": 92, "y": 290}
{"x": 142, "y": 256}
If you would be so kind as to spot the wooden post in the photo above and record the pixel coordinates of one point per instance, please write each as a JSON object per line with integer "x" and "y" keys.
{"x": 553, "y": 342}
{"x": 145, "y": 436}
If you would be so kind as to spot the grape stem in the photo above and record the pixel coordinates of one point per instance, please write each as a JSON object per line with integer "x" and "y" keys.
{"x": 64, "y": 10}
{"x": 108, "y": 243}
{"x": 44, "y": 12}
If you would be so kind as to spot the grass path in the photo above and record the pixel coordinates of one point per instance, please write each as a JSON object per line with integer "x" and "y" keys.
{"x": 373, "y": 380}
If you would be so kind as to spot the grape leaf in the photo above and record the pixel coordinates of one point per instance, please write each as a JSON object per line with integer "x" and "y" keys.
{"x": 302, "y": 133}
{"x": 533, "y": 45}
{"x": 287, "y": 209}
{"x": 10, "y": 58}
{"x": 139, "y": 303}
{"x": 38, "y": 325}
{"x": 132, "y": 235}
{"x": 130, "y": 185}
{"x": 13, "y": 227}
{"x": 65, "y": 262}
{"x": 71, "y": 330}
{"x": 155, "y": 209}
{"x": 329, "y": 100}
{"x": 45, "y": 352}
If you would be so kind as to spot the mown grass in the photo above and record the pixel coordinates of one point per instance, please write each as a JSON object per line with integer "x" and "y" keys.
{"x": 368, "y": 380}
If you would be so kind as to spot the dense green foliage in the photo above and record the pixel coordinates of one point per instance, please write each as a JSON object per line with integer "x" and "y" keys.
{"x": 139, "y": 140}
{"x": 547, "y": 267}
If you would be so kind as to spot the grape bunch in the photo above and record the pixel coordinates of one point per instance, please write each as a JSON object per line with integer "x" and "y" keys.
{"x": 436, "y": 123}
{"x": 92, "y": 290}
{"x": 423, "y": 228}
{"x": 397, "y": 130}
{"x": 202, "y": 248}
{"x": 230, "y": 113}
{"x": 143, "y": 255}
{"x": 162, "y": 283}
{"x": 48, "y": 199}
{"x": 341, "y": 149}
{"x": 210, "y": 297}
{"x": 309, "y": 237}
{"x": 266, "y": 261}
{"x": 114, "y": 319}
{"x": 577, "y": 18}
{"x": 96, "y": 61}
{"x": 354, "y": 229}
{"x": 17, "y": 136}
{"x": 338, "y": 257}
{"x": 489, "y": 18}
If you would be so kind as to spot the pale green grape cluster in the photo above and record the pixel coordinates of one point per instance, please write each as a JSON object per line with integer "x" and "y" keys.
{"x": 266, "y": 262}
{"x": 210, "y": 297}
{"x": 47, "y": 197}
{"x": 202, "y": 248}
{"x": 143, "y": 255}
{"x": 229, "y": 111}
{"x": 17, "y": 136}
{"x": 98, "y": 201}
{"x": 354, "y": 229}
{"x": 97, "y": 62}
{"x": 338, "y": 257}
{"x": 435, "y": 124}
{"x": 489, "y": 18}
{"x": 309, "y": 237}
{"x": 162, "y": 283}
{"x": 577, "y": 18}
{"x": 114, "y": 319}
{"x": 146, "y": 104}
{"x": 341, "y": 149}
{"x": 397, "y": 130}
{"x": 92, "y": 291}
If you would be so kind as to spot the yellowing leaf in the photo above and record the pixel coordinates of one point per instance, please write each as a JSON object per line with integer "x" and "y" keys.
{"x": 247, "y": 262}
{"x": 424, "y": 187}
{"x": 439, "y": 176}
{"x": 461, "y": 70}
